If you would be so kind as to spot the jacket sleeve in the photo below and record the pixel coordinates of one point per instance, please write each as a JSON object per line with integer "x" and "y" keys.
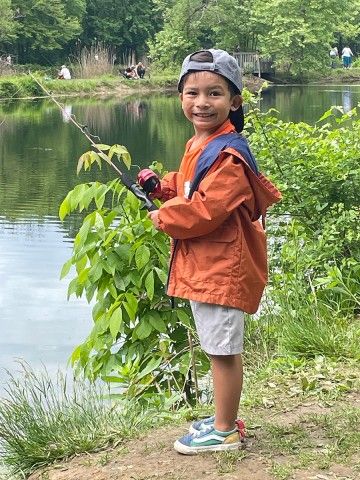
{"x": 168, "y": 186}
{"x": 219, "y": 193}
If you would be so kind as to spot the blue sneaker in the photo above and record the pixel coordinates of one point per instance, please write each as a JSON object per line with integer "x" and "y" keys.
{"x": 201, "y": 424}
{"x": 209, "y": 440}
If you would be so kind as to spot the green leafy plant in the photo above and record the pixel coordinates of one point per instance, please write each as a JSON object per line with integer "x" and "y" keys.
{"x": 137, "y": 342}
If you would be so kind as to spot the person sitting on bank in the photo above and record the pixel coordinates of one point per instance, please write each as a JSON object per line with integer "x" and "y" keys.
{"x": 64, "y": 73}
{"x": 130, "y": 72}
{"x": 140, "y": 70}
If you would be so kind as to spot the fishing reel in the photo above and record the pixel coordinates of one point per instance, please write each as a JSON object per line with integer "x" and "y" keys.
{"x": 149, "y": 182}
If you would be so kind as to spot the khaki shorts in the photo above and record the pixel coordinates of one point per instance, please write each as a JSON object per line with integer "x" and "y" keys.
{"x": 220, "y": 329}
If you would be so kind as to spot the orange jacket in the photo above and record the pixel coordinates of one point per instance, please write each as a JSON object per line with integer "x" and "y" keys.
{"x": 220, "y": 256}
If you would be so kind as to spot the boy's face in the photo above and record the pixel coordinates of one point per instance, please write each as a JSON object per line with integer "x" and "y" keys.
{"x": 206, "y": 101}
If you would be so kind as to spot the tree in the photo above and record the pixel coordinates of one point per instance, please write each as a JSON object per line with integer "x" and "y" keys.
{"x": 7, "y": 23}
{"x": 298, "y": 33}
{"x": 123, "y": 25}
{"x": 46, "y": 27}
{"x": 238, "y": 35}
{"x": 185, "y": 29}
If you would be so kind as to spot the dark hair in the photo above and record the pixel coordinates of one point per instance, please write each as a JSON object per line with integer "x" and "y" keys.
{"x": 236, "y": 117}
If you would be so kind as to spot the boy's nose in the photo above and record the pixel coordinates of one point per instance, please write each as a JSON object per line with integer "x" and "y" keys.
{"x": 202, "y": 101}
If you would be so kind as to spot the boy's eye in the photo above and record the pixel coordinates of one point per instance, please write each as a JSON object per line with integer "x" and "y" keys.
{"x": 191, "y": 92}
{"x": 215, "y": 93}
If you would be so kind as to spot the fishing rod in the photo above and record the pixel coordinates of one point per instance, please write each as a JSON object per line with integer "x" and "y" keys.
{"x": 128, "y": 182}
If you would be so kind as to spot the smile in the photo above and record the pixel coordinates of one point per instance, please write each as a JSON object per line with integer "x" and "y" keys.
{"x": 203, "y": 115}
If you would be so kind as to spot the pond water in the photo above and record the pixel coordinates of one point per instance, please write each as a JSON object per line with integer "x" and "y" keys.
{"x": 39, "y": 149}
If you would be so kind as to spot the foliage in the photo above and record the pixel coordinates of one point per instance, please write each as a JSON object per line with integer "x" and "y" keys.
{"x": 7, "y": 26}
{"x": 46, "y": 26}
{"x": 185, "y": 30}
{"x": 123, "y": 26}
{"x": 313, "y": 297}
{"x": 295, "y": 34}
{"x": 43, "y": 419}
{"x": 138, "y": 341}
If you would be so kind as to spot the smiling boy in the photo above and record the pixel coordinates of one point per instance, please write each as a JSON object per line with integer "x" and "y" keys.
{"x": 211, "y": 210}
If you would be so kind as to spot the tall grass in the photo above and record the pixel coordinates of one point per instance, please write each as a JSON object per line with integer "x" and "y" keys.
{"x": 44, "y": 419}
{"x": 94, "y": 62}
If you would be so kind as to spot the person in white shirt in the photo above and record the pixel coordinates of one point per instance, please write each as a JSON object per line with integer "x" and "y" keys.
{"x": 333, "y": 56}
{"x": 346, "y": 57}
{"x": 64, "y": 73}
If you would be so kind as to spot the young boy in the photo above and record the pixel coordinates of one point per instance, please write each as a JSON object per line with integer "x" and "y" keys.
{"x": 211, "y": 211}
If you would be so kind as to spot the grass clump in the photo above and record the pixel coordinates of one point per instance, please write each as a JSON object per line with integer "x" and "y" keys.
{"x": 43, "y": 420}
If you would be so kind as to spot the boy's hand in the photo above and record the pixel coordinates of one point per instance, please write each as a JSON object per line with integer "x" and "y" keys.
{"x": 154, "y": 217}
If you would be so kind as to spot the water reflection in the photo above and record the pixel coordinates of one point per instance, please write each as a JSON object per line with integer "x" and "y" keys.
{"x": 297, "y": 103}
{"x": 66, "y": 113}
{"x": 346, "y": 100}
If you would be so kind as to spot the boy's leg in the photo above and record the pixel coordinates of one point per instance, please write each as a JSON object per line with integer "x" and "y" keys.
{"x": 227, "y": 371}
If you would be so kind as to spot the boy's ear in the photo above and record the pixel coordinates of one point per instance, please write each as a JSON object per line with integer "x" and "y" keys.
{"x": 181, "y": 96}
{"x": 236, "y": 102}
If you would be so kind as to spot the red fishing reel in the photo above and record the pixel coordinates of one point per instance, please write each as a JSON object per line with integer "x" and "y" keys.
{"x": 149, "y": 182}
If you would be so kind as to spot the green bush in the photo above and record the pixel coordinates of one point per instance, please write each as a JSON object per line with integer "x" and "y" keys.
{"x": 8, "y": 89}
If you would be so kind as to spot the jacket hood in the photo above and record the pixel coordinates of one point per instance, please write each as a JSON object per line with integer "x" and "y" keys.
{"x": 265, "y": 192}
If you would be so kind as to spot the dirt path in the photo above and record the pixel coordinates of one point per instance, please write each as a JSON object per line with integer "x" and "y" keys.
{"x": 307, "y": 441}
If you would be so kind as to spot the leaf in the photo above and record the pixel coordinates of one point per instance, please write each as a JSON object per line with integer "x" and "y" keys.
{"x": 131, "y": 305}
{"x": 81, "y": 264}
{"x": 66, "y": 268}
{"x": 83, "y": 232}
{"x": 150, "y": 367}
{"x": 162, "y": 275}
{"x": 122, "y": 153}
{"x": 83, "y": 160}
{"x": 115, "y": 322}
{"x": 64, "y": 208}
{"x": 157, "y": 322}
{"x": 142, "y": 256}
{"x": 327, "y": 114}
{"x": 99, "y": 225}
{"x": 183, "y": 317}
{"x": 149, "y": 284}
{"x": 102, "y": 146}
{"x": 142, "y": 330}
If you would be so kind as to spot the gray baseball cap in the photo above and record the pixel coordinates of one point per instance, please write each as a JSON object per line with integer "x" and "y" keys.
{"x": 223, "y": 64}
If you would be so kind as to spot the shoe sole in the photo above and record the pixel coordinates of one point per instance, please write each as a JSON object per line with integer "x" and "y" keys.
{"x": 181, "y": 448}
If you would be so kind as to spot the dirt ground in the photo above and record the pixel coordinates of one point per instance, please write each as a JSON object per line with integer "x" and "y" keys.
{"x": 153, "y": 458}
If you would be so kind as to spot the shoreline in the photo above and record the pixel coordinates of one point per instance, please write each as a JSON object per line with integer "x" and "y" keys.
{"x": 22, "y": 87}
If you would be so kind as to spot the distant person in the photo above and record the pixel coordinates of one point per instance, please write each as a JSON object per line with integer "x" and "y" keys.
{"x": 346, "y": 57}
{"x": 130, "y": 72}
{"x": 140, "y": 70}
{"x": 8, "y": 60}
{"x": 64, "y": 73}
{"x": 334, "y": 53}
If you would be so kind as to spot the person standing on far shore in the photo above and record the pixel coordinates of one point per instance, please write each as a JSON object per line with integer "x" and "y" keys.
{"x": 334, "y": 53}
{"x": 346, "y": 56}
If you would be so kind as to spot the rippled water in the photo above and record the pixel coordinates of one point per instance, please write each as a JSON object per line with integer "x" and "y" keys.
{"x": 39, "y": 149}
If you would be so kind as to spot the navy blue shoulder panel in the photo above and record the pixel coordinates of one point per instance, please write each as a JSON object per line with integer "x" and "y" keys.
{"x": 212, "y": 151}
